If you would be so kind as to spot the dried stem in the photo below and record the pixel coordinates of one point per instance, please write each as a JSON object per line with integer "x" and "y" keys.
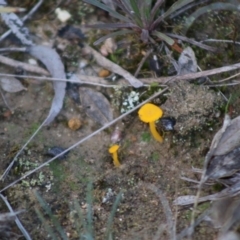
{"x": 25, "y": 66}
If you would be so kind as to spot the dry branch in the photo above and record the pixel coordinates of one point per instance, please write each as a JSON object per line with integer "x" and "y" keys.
{"x": 25, "y": 66}
{"x": 104, "y": 62}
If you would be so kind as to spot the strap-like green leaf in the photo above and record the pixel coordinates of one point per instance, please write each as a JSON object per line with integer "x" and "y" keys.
{"x": 211, "y": 7}
{"x": 177, "y": 5}
{"x": 112, "y": 25}
{"x": 164, "y": 37}
{"x": 114, "y": 34}
{"x": 106, "y": 8}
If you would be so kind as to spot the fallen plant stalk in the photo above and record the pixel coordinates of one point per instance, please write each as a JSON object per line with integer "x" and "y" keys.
{"x": 25, "y": 66}
{"x": 113, "y": 67}
{"x": 77, "y": 143}
{"x": 146, "y": 81}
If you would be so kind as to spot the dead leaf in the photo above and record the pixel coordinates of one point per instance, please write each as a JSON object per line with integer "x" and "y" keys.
{"x": 50, "y": 58}
{"x": 108, "y": 47}
{"x": 230, "y": 138}
{"x": 224, "y": 165}
{"x": 11, "y": 84}
{"x": 187, "y": 62}
{"x": 96, "y": 105}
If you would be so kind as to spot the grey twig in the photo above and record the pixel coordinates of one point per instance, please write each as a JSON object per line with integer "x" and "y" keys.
{"x": 33, "y": 10}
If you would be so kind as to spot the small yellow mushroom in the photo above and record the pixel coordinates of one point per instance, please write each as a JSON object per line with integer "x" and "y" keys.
{"x": 149, "y": 113}
{"x": 113, "y": 151}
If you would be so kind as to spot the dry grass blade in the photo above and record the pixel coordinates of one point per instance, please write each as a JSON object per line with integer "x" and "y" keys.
{"x": 77, "y": 143}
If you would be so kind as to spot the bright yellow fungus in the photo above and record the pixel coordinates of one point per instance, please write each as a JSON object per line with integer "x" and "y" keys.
{"x": 149, "y": 113}
{"x": 113, "y": 150}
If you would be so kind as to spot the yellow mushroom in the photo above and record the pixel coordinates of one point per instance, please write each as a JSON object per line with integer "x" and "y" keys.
{"x": 113, "y": 151}
{"x": 149, "y": 113}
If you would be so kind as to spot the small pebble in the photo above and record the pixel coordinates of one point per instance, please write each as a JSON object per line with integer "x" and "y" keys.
{"x": 54, "y": 151}
{"x": 74, "y": 124}
{"x": 104, "y": 73}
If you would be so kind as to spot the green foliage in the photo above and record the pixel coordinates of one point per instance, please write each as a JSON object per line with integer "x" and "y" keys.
{"x": 146, "y": 18}
{"x": 146, "y": 137}
{"x": 84, "y": 225}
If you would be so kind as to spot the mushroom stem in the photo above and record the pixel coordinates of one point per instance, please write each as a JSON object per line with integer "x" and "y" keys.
{"x": 115, "y": 159}
{"x": 154, "y": 132}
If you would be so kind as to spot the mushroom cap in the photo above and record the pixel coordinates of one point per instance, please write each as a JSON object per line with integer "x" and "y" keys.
{"x": 113, "y": 148}
{"x": 150, "y": 112}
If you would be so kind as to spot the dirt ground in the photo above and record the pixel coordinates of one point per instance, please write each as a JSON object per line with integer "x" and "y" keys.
{"x": 144, "y": 162}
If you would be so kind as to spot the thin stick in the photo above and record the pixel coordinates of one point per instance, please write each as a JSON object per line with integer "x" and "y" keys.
{"x": 113, "y": 67}
{"x": 25, "y": 66}
{"x": 33, "y": 10}
{"x": 89, "y": 80}
{"x": 229, "y": 78}
{"x": 221, "y": 41}
{"x": 13, "y": 49}
{"x": 17, "y": 221}
{"x": 142, "y": 62}
{"x": 80, "y": 141}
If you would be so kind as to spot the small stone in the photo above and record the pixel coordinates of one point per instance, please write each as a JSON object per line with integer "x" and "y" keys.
{"x": 74, "y": 124}
{"x": 104, "y": 73}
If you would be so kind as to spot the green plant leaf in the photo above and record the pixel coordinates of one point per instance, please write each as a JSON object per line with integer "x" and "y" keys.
{"x": 109, "y": 10}
{"x": 164, "y": 37}
{"x": 112, "y": 25}
{"x": 50, "y": 214}
{"x": 156, "y": 8}
{"x": 112, "y": 215}
{"x": 114, "y": 34}
{"x": 211, "y": 7}
{"x": 177, "y": 5}
{"x": 45, "y": 224}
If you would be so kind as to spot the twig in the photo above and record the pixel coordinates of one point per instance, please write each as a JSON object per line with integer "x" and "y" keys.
{"x": 229, "y": 78}
{"x": 166, "y": 208}
{"x": 142, "y": 62}
{"x": 104, "y": 62}
{"x": 13, "y": 49}
{"x": 17, "y": 221}
{"x": 162, "y": 80}
{"x": 189, "y": 40}
{"x": 193, "y": 75}
{"x": 221, "y": 41}
{"x": 80, "y": 141}
{"x": 25, "y": 66}
{"x": 33, "y": 10}
{"x": 89, "y": 80}
{"x": 224, "y": 85}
